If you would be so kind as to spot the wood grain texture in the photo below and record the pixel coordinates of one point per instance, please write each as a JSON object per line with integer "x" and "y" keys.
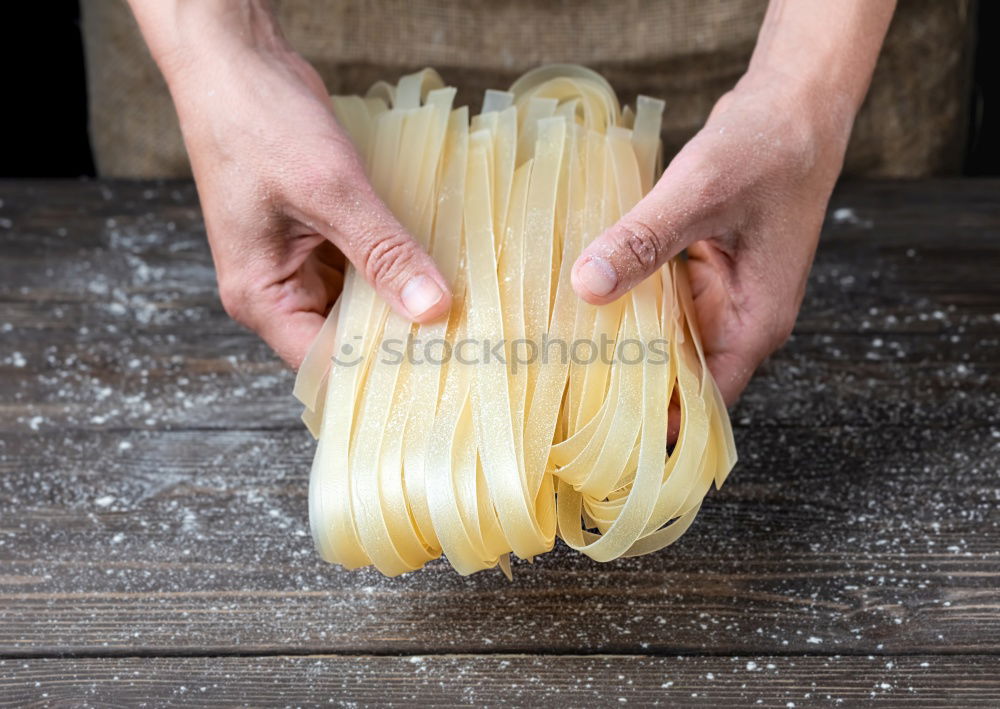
{"x": 153, "y": 481}
{"x": 826, "y": 539}
{"x": 110, "y": 317}
{"x": 504, "y": 680}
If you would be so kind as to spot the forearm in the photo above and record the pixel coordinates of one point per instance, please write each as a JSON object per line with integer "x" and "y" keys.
{"x": 834, "y": 44}
{"x": 182, "y": 34}
{"x": 219, "y": 59}
{"x": 827, "y": 49}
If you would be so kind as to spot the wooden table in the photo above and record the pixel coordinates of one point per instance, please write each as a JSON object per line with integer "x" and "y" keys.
{"x": 153, "y": 476}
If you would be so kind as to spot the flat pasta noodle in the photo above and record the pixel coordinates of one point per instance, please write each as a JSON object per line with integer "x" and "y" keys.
{"x": 512, "y": 424}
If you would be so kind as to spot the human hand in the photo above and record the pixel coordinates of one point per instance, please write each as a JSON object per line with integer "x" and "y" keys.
{"x": 284, "y": 194}
{"x": 746, "y": 196}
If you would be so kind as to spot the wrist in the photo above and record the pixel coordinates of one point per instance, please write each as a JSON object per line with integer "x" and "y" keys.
{"x": 189, "y": 37}
{"x": 809, "y": 100}
{"x": 820, "y": 56}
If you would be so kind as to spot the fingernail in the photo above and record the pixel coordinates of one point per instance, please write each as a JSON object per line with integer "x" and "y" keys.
{"x": 598, "y": 276}
{"x": 420, "y": 294}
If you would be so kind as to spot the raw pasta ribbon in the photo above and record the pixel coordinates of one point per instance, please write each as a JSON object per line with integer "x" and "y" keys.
{"x": 527, "y": 413}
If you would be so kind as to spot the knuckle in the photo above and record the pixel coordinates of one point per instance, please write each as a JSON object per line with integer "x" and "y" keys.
{"x": 642, "y": 244}
{"x": 786, "y": 330}
{"x": 766, "y": 330}
{"x": 783, "y": 326}
{"x": 386, "y": 257}
{"x": 233, "y": 301}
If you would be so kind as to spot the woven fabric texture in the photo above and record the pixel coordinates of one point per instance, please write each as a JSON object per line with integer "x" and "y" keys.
{"x": 688, "y": 53}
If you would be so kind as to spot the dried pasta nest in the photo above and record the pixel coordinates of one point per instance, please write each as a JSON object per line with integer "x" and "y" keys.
{"x": 528, "y": 412}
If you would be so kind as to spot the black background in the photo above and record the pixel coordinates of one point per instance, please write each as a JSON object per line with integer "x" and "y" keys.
{"x": 44, "y": 110}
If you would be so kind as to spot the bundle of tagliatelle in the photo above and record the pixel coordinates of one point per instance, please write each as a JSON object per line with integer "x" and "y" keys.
{"x": 528, "y": 411}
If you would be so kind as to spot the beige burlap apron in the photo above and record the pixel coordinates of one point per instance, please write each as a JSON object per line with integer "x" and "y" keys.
{"x": 688, "y": 52}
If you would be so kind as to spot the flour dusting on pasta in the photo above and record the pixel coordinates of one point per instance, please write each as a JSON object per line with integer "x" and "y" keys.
{"x": 527, "y": 413}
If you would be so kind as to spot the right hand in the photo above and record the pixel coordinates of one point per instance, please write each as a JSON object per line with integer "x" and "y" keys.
{"x": 284, "y": 194}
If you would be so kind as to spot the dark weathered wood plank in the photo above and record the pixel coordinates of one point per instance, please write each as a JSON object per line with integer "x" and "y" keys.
{"x": 109, "y": 315}
{"x": 153, "y": 472}
{"x": 503, "y": 680}
{"x": 835, "y": 539}
{"x": 230, "y": 381}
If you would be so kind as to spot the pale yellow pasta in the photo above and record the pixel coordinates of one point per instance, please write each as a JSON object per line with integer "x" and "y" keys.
{"x": 474, "y": 457}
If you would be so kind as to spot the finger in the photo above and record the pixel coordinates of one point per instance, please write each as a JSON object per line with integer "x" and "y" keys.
{"x": 673, "y": 421}
{"x": 732, "y": 372}
{"x": 675, "y": 213}
{"x": 291, "y": 334}
{"x": 328, "y": 254}
{"x": 353, "y": 217}
{"x": 734, "y": 365}
{"x": 287, "y": 314}
{"x": 333, "y": 283}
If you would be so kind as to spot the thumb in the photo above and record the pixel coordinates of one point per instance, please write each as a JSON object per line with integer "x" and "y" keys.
{"x": 359, "y": 223}
{"x": 663, "y": 223}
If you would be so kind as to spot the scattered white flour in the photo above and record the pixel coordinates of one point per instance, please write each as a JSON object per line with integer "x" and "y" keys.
{"x": 846, "y": 215}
